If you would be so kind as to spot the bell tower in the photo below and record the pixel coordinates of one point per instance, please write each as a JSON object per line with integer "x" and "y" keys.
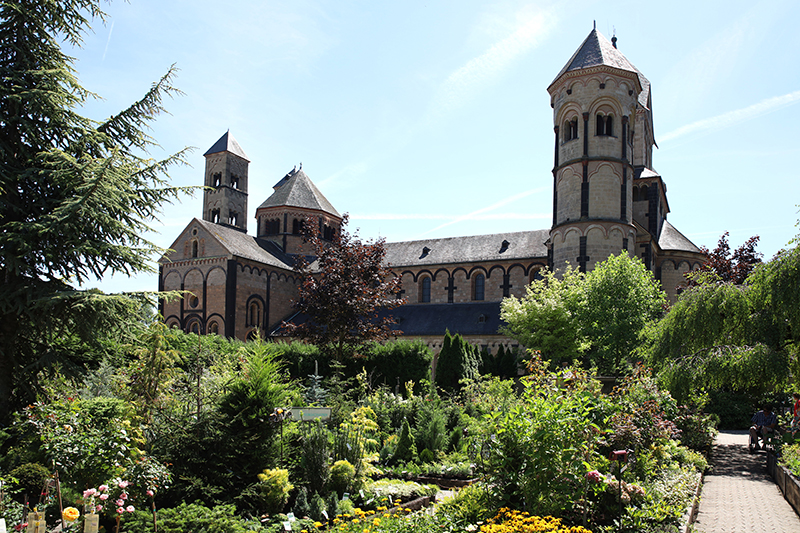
{"x": 226, "y": 174}
{"x": 596, "y": 99}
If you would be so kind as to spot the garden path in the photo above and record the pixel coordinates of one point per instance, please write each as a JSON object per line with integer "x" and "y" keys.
{"x": 738, "y": 494}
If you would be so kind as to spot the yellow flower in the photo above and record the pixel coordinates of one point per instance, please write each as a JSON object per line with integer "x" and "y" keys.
{"x": 376, "y": 521}
{"x": 317, "y": 525}
{"x": 355, "y": 520}
{"x": 71, "y": 514}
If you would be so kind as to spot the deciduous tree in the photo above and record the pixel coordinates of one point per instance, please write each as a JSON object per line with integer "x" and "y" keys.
{"x": 78, "y": 195}
{"x": 344, "y": 286}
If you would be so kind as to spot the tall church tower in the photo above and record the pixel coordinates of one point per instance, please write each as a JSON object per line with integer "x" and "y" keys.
{"x": 226, "y": 173}
{"x": 597, "y": 99}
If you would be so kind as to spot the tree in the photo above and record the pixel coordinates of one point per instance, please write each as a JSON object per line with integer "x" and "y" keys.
{"x": 620, "y": 298}
{"x": 457, "y": 360}
{"x": 77, "y": 195}
{"x": 727, "y": 267}
{"x": 600, "y": 315}
{"x": 544, "y": 319}
{"x": 736, "y": 337}
{"x": 342, "y": 291}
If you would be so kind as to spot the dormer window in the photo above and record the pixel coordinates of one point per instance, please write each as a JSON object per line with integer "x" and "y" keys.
{"x": 571, "y": 129}
{"x": 504, "y": 246}
{"x": 605, "y": 125}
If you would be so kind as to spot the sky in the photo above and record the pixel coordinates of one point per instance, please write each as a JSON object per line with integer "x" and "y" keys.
{"x": 432, "y": 119}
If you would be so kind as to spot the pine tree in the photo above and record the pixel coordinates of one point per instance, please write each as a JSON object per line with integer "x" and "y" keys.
{"x": 77, "y": 195}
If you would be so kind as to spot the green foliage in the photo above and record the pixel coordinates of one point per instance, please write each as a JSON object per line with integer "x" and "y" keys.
{"x": 544, "y": 319}
{"x": 620, "y": 298}
{"x": 471, "y": 504}
{"x": 537, "y": 451}
{"x": 382, "y": 360}
{"x": 342, "y": 477}
{"x": 430, "y": 428}
{"x": 457, "y": 360}
{"x": 317, "y": 505}
{"x": 193, "y": 517}
{"x": 399, "y": 490}
{"x": 333, "y": 504}
{"x": 790, "y": 458}
{"x": 734, "y": 409}
{"x": 274, "y": 489}
{"x": 247, "y": 407}
{"x": 78, "y": 195}
{"x": 315, "y": 458}
{"x": 602, "y": 314}
{"x": 300, "y": 507}
{"x": 406, "y": 449}
{"x": 30, "y": 478}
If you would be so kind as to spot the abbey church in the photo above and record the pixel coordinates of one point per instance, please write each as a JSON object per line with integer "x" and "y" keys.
{"x": 606, "y": 198}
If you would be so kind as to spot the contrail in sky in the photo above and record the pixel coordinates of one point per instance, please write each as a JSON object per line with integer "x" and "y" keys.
{"x": 110, "y": 31}
{"x": 732, "y": 117}
{"x": 492, "y": 207}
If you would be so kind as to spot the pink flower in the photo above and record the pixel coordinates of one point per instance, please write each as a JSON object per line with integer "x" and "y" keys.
{"x": 594, "y": 476}
{"x": 130, "y": 509}
{"x": 98, "y": 508}
{"x": 104, "y": 496}
{"x": 123, "y": 484}
{"x": 89, "y": 492}
{"x": 120, "y": 510}
{"x": 119, "y": 503}
{"x": 150, "y": 492}
{"x": 124, "y": 496}
{"x": 103, "y": 488}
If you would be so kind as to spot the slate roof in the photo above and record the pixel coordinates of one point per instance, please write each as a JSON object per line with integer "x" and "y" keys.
{"x": 672, "y": 239}
{"x": 434, "y": 319}
{"x": 246, "y": 246}
{"x": 523, "y": 245}
{"x": 297, "y": 190}
{"x": 595, "y": 51}
{"x": 227, "y": 143}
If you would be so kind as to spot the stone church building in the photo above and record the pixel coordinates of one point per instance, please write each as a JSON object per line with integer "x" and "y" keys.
{"x": 606, "y": 198}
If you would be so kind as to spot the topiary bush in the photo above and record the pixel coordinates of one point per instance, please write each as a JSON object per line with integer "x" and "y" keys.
{"x": 273, "y": 488}
{"x": 342, "y": 476}
{"x": 406, "y": 449}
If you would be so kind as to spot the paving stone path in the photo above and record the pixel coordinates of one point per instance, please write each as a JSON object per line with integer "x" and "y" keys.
{"x": 739, "y": 496}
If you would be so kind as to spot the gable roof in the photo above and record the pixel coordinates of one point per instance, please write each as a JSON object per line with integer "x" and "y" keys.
{"x": 296, "y": 189}
{"x": 672, "y": 239}
{"x": 523, "y": 245}
{"x": 240, "y": 244}
{"x": 597, "y": 51}
{"x": 227, "y": 143}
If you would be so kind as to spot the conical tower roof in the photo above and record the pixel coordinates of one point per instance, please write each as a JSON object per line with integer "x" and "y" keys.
{"x": 227, "y": 143}
{"x": 297, "y": 190}
{"x": 597, "y": 51}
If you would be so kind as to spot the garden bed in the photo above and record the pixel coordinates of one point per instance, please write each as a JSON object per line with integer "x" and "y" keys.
{"x": 789, "y": 485}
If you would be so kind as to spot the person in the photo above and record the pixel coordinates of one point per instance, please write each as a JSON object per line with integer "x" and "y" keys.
{"x": 764, "y": 423}
{"x": 796, "y": 413}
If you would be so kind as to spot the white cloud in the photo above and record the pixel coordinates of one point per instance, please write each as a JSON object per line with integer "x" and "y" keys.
{"x": 465, "y": 82}
{"x": 733, "y": 117}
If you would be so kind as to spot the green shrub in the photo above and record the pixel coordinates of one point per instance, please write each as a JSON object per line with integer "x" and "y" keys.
{"x": 333, "y": 504}
{"x": 406, "y": 449}
{"x": 457, "y": 360}
{"x": 734, "y": 409}
{"x": 192, "y": 517}
{"x": 426, "y": 456}
{"x": 317, "y": 505}
{"x": 342, "y": 476}
{"x": 430, "y": 432}
{"x": 471, "y": 504}
{"x": 399, "y": 490}
{"x": 274, "y": 488}
{"x": 315, "y": 457}
{"x": 30, "y": 479}
{"x": 790, "y": 458}
{"x": 398, "y": 361}
{"x": 301, "y": 507}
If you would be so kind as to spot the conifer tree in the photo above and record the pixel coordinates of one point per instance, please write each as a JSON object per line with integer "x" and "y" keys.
{"x": 78, "y": 195}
